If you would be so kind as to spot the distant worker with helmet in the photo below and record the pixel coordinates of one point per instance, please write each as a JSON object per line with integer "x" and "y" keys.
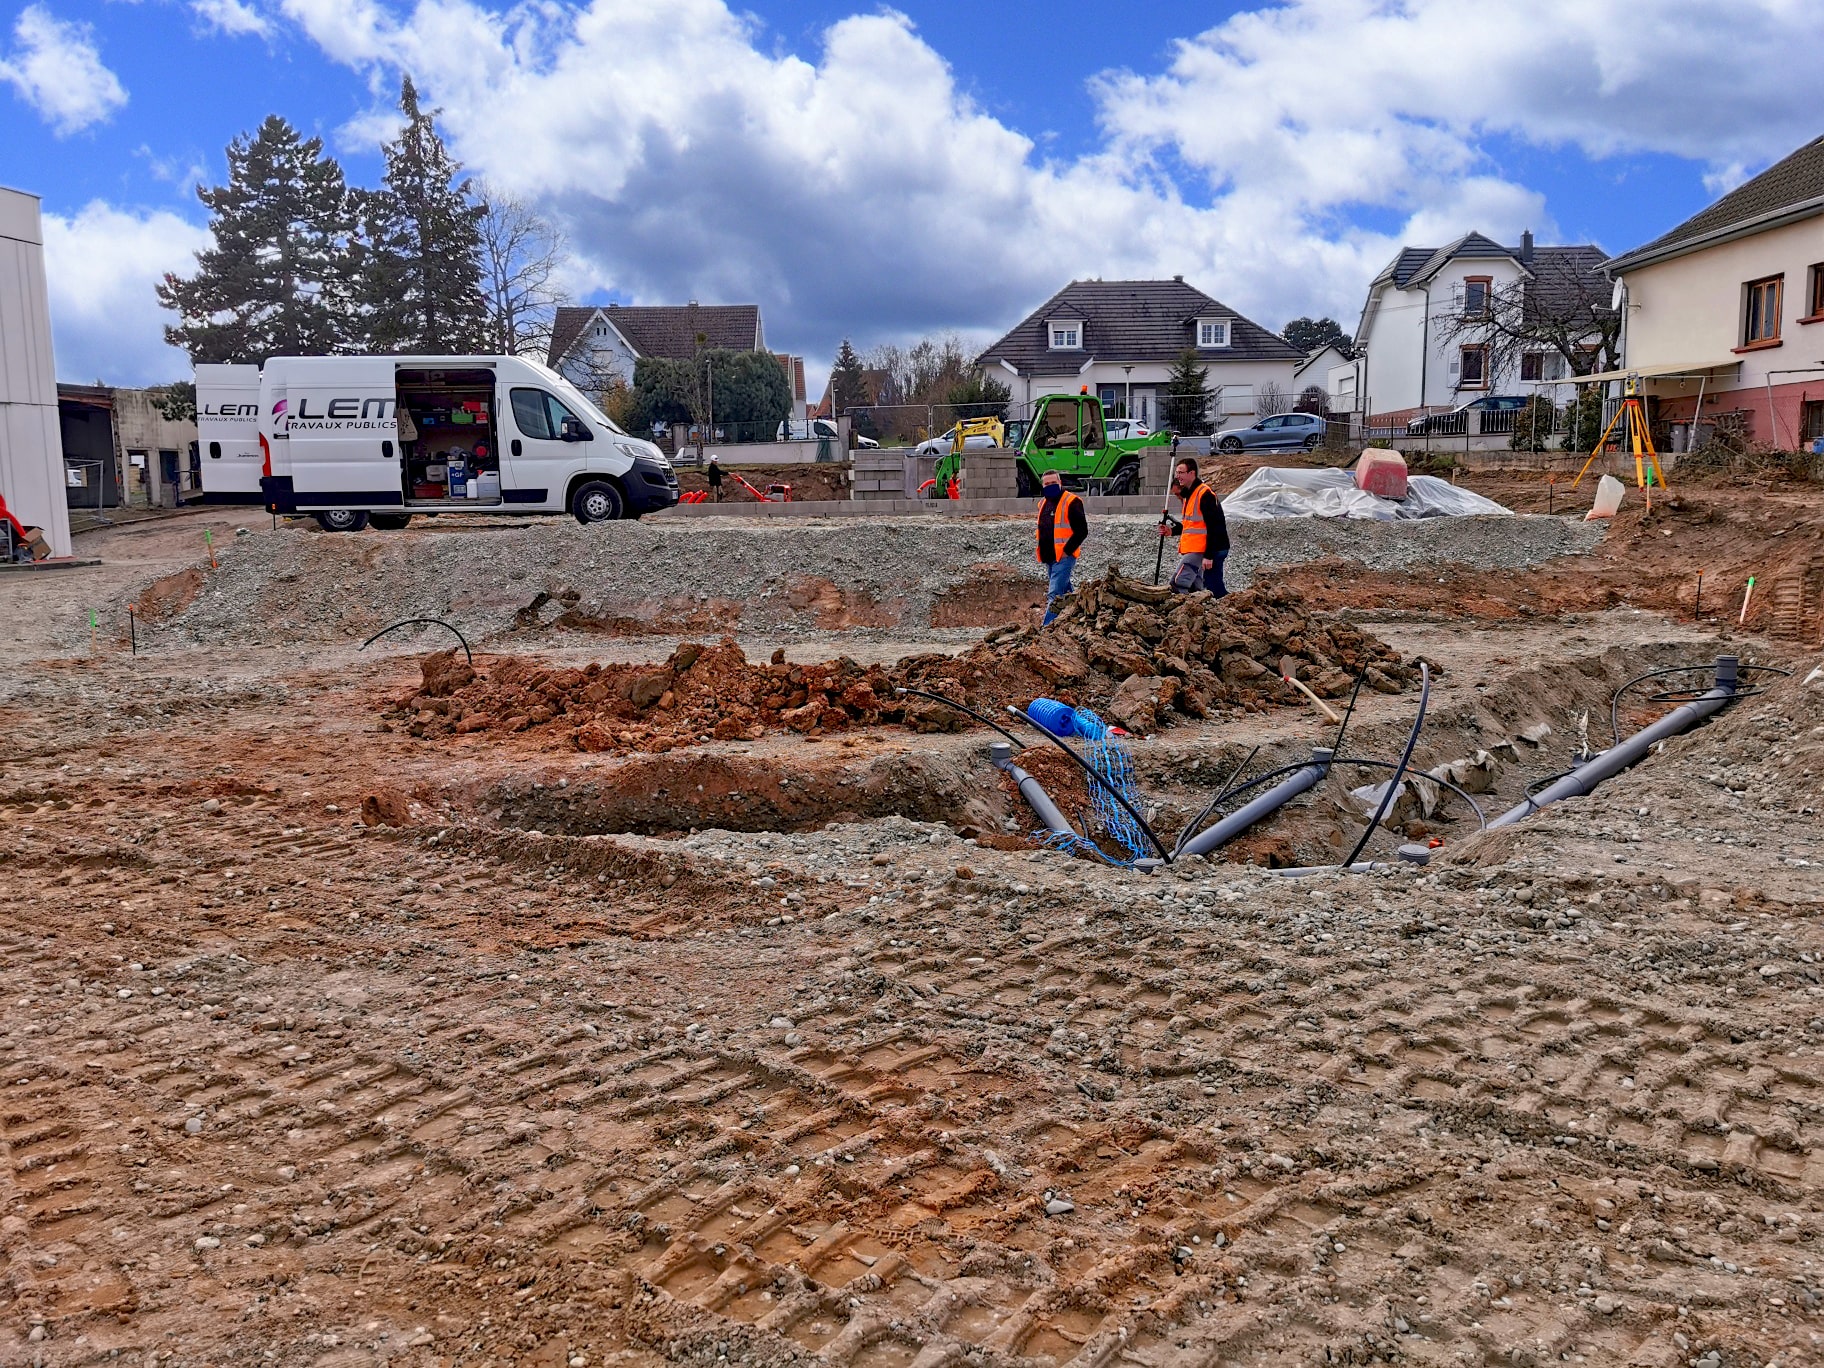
{"x": 1203, "y": 535}
{"x": 1063, "y": 528}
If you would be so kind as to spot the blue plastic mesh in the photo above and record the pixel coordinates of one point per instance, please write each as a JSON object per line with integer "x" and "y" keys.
{"x": 1109, "y": 758}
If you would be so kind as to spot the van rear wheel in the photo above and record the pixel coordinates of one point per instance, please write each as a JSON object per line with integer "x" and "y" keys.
{"x": 389, "y": 522}
{"x": 596, "y": 501}
{"x": 342, "y": 520}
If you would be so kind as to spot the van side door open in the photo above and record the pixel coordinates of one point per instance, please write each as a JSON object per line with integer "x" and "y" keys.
{"x": 344, "y": 442}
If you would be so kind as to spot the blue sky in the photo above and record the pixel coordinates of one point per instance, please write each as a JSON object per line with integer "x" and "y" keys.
{"x": 883, "y": 173}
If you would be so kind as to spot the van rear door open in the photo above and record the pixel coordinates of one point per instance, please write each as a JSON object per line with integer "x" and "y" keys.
{"x": 228, "y": 432}
{"x": 344, "y": 426}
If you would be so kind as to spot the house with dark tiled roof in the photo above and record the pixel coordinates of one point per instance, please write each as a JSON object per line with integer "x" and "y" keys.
{"x": 1120, "y": 338}
{"x": 1413, "y": 350}
{"x": 1723, "y": 311}
{"x": 593, "y": 341}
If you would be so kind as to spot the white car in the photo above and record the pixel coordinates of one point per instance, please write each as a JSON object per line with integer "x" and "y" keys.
{"x": 823, "y": 427}
{"x": 1125, "y": 429}
{"x": 945, "y": 443}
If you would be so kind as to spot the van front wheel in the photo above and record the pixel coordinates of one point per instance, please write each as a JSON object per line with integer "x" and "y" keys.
{"x": 342, "y": 520}
{"x": 597, "y": 501}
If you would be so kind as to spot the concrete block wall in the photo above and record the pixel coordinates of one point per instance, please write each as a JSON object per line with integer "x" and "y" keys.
{"x": 878, "y": 473}
{"x": 1155, "y": 470}
{"x": 990, "y": 473}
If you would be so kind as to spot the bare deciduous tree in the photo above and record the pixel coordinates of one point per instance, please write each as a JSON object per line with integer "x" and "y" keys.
{"x": 1270, "y": 399}
{"x": 1562, "y": 309}
{"x": 522, "y": 255}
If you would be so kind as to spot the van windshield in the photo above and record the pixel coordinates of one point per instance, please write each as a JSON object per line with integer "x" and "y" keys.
{"x": 577, "y": 399}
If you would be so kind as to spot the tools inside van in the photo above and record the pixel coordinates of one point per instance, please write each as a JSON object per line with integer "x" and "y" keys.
{"x": 447, "y": 435}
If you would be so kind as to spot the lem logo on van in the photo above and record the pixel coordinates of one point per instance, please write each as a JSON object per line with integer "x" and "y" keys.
{"x": 343, "y": 414}
{"x": 230, "y": 410}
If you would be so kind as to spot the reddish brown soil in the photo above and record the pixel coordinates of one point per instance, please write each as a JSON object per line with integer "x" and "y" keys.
{"x": 815, "y": 481}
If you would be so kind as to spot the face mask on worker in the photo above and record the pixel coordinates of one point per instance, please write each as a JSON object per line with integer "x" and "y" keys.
{"x": 1053, "y": 488}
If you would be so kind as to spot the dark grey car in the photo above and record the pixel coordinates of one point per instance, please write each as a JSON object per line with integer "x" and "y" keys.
{"x": 1304, "y": 430}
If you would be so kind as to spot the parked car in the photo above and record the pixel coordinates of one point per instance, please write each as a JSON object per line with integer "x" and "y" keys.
{"x": 1124, "y": 429}
{"x": 1457, "y": 420}
{"x": 945, "y": 442}
{"x": 1280, "y": 431}
{"x": 823, "y": 427}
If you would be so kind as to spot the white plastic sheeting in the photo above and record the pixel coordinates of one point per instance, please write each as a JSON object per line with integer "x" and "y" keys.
{"x": 1282, "y": 492}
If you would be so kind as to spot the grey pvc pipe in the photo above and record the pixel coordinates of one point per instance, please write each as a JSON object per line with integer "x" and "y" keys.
{"x": 1030, "y": 789}
{"x": 1617, "y": 758}
{"x": 1220, "y": 833}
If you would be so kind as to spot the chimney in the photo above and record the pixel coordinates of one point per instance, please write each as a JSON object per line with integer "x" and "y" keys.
{"x": 1526, "y": 247}
{"x": 1179, "y": 279}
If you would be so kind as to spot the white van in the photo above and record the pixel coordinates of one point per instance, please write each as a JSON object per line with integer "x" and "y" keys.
{"x": 353, "y": 440}
{"x": 228, "y": 433}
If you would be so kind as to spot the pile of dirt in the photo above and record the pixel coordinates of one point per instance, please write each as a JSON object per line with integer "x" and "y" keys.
{"x": 1137, "y": 654}
{"x": 699, "y": 693}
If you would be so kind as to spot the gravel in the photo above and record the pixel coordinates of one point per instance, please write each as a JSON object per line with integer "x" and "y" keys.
{"x": 303, "y": 585}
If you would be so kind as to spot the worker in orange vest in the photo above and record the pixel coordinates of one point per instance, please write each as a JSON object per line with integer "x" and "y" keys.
{"x": 1203, "y": 535}
{"x": 1063, "y": 528}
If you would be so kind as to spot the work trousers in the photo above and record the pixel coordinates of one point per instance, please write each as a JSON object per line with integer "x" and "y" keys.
{"x": 1058, "y": 574}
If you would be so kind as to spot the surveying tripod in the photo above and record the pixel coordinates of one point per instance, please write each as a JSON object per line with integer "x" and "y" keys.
{"x": 1635, "y": 437}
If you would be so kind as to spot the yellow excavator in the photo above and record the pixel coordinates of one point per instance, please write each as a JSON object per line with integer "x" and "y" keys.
{"x": 976, "y": 427}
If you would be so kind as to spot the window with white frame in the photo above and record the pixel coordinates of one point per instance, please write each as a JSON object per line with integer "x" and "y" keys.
{"x": 1212, "y": 332}
{"x": 1066, "y": 334}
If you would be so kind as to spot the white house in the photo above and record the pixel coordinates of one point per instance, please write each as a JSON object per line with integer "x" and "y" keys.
{"x": 31, "y": 447}
{"x": 1121, "y": 338}
{"x": 1722, "y": 309}
{"x": 1318, "y": 368}
{"x": 1413, "y": 350}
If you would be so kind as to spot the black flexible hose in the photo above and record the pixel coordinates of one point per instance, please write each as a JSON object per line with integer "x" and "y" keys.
{"x": 1196, "y": 823}
{"x": 1107, "y": 787}
{"x": 1474, "y": 807}
{"x": 1336, "y": 747}
{"x": 1679, "y": 695}
{"x": 1399, "y": 771}
{"x": 407, "y": 622}
{"x": 964, "y": 709}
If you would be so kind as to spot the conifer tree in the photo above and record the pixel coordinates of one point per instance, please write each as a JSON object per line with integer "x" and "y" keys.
{"x": 848, "y": 379}
{"x": 275, "y": 280}
{"x": 421, "y": 264}
{"x": 1187, "y": 396}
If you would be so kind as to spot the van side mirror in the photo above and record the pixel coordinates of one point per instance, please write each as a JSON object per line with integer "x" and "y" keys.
{"x": 572, "y": 430}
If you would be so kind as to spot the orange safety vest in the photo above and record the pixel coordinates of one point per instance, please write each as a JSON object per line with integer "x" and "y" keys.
{"x": 1060, "y": 527}
{"x": 1195, "y": 534}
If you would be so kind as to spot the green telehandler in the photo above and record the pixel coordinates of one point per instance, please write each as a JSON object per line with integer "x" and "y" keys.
{"x": 1066, "y": 434}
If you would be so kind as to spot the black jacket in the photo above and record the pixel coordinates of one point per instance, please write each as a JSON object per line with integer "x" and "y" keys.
{"x": 1079, "y": 530}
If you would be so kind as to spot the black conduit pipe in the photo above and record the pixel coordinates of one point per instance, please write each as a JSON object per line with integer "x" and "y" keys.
{"x": 1399, "y": 772}
{"x": 1613, "y": 761}
{"x": 1190, "y": 827}
{"x": 407, "y": 622}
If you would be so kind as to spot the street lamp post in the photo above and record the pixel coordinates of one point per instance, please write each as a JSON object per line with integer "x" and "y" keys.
{"x": 1127, "y": 410}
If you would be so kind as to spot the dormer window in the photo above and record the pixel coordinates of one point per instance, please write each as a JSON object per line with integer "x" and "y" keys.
{"x": 1066, "y": 334}
{"x": 1212, "y": 332}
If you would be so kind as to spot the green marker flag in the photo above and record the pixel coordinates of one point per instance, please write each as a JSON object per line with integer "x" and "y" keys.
{"x": 92, "y": 621}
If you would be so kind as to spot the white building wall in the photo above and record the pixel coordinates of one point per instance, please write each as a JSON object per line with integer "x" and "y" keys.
{"x": 599, "y": 353}
{"x": 31, "y": 446}
{"x": 1689, "y": 311}
{"x": 1234, "y": 382}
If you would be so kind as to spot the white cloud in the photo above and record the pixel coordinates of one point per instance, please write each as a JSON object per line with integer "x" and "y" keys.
{"x": 232, "y": 17}
{"x": 56, "y": 69}
{"x": 858, "y": 191}
{"x": 102, "y": 265}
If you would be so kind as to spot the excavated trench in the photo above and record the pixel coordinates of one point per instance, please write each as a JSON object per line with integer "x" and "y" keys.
{"x": 668, "y": 794}
{"x": 1499, "y": 735}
